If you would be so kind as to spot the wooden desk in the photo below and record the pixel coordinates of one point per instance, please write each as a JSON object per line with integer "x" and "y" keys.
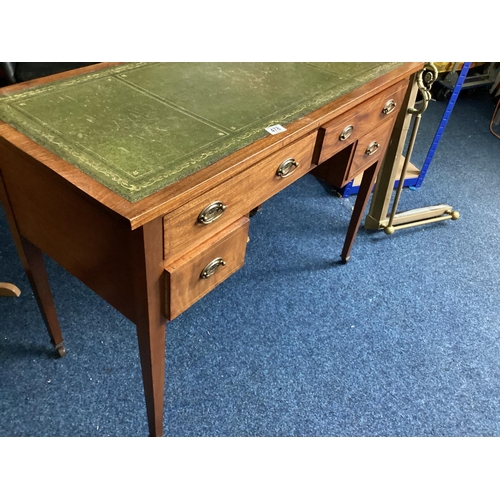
{"x": 139, "y": 179}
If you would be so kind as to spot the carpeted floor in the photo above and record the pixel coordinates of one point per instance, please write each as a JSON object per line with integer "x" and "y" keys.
{"x": 402, "y": 341}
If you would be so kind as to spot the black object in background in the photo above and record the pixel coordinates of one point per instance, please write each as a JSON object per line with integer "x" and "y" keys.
{"x": 16, "y": 72}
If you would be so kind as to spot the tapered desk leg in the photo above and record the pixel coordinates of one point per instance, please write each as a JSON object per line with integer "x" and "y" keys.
{"x": 34, "y": 266}
{"x": 151, "y": 324}
{"x": 37, "y": 275}
{"x": 365, "y": 188}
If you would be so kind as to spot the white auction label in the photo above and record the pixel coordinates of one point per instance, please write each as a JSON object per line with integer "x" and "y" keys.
{"x": 275, "y": 129}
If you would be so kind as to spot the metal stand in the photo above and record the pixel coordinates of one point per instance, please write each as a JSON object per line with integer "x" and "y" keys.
{"x": 425, "y": 215}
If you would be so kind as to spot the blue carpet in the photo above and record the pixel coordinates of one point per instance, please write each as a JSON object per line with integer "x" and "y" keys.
{"x": 402, "y": 341}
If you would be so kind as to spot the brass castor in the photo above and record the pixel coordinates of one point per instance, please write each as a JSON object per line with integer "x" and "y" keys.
{"x": 61, "y": 350}
{"x": 389, "y": 230}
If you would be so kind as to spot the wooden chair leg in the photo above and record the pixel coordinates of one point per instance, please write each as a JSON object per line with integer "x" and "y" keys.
{"x": 150, "y": 321}
{"x": 365, "y": 189}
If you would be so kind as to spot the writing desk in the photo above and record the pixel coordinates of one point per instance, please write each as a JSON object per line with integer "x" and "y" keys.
{"x": 139, "y": 179}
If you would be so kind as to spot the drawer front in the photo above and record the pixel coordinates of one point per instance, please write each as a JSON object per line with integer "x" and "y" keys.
{"x": 201, "y": 270}
{"x": 370, "y": 148}
{"x": 354, "y": 124}
{"x": 189, "y": 225}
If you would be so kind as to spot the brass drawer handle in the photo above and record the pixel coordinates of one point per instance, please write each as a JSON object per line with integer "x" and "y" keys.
{"x": 389, "y": 107}
{"x": 372, "y": 148}
{"x": 211, "y": 212}
{"x": 211, "y": 268}
{"x": 346, "y": 133}
{"x": 287, "y": 168}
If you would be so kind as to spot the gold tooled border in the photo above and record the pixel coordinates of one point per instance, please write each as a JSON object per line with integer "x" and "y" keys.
{"x": 11, "y": 114}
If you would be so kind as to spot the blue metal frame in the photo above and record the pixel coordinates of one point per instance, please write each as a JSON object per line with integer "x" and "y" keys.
{"x": 444, "y": 122}
{"x": 414, "y": 183}
{"x": 349, "y": 189}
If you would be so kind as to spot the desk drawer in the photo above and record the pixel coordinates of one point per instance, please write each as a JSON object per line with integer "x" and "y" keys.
{"x": 234, "y": 198}
{"x": 370, "y": 148}
{"x": 201, "y": 270}
{"x": 381, "y": 108}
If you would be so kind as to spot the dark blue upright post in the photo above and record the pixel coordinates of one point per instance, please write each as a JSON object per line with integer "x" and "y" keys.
{"x": 444, "y": 122}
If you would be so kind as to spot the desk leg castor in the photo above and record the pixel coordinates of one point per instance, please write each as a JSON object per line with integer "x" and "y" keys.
{"x": 345, "y": 260}
{"x": 61, "y": 350}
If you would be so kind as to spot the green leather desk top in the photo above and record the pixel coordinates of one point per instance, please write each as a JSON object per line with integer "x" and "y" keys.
{"x": 139, "y": 127}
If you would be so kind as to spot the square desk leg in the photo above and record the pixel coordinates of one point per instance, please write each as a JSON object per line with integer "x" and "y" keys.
{"x": 140, "y": 295}
{"x": 147, "y": 246}
{"x": 365, "y": 189}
